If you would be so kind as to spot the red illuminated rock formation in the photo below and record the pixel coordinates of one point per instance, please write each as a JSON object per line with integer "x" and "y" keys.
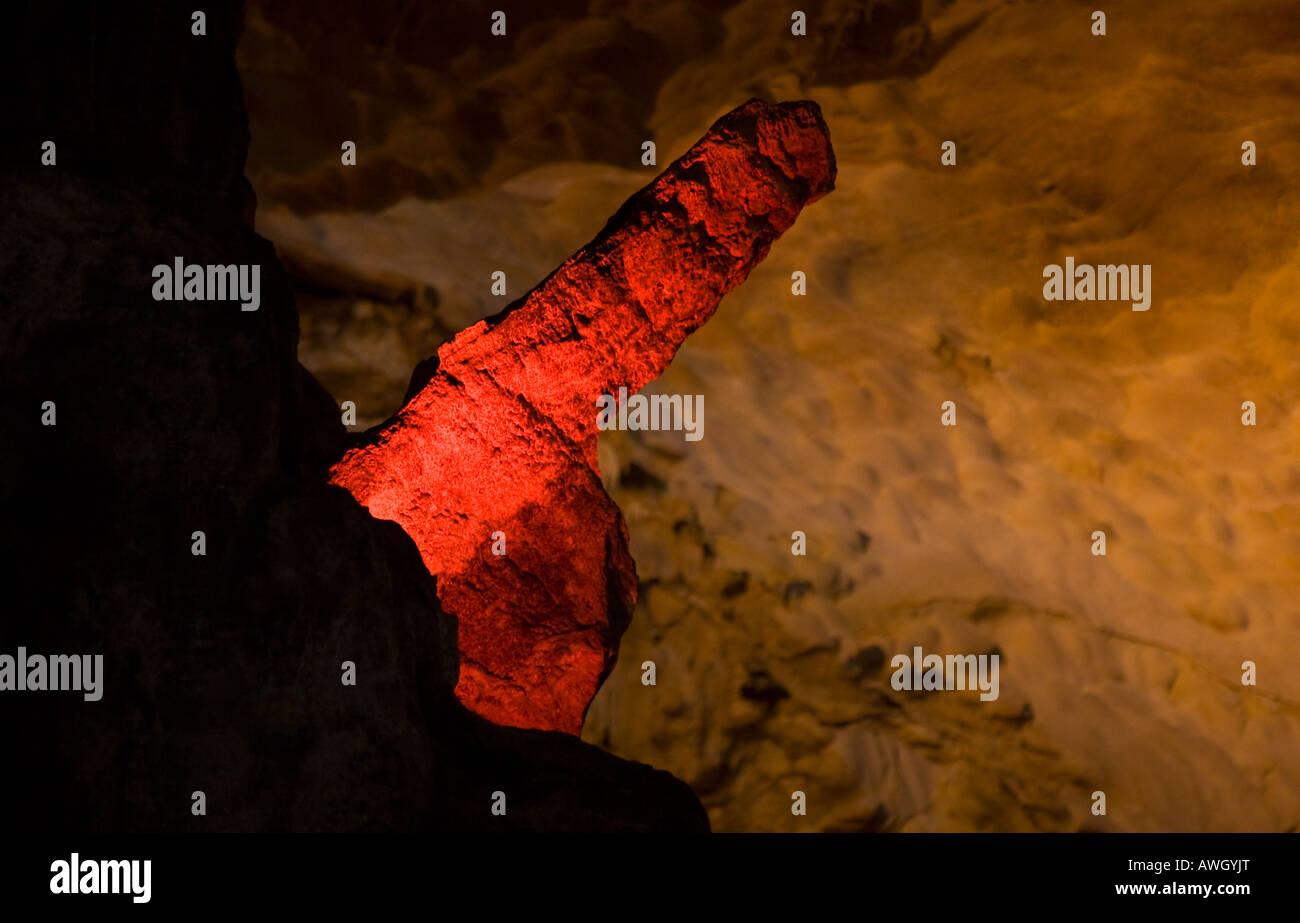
{"x": 502, "y": 438}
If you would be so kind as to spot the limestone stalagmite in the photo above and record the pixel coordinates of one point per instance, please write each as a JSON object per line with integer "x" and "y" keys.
{"x": 502, "y": 436}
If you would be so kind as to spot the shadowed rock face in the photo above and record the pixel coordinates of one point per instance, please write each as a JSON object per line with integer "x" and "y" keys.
{"x": 502, "y": 437}
{"x": 439, "y": 106}
{"x": 222, "y": 671}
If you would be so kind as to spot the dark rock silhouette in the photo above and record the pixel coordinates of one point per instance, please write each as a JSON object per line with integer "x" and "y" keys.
{"x": 222, "y": 672}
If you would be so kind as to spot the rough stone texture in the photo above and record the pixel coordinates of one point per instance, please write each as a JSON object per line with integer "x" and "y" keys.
{"x": 222, "y": 671}
{"x": 439, "y": 107}
{"x": 924, "y": 286}
{"x": 502, "y": 438}
{"x": 456, "y": 128}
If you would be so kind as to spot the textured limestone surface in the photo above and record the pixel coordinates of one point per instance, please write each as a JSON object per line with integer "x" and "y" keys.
{"x": 1121, "y": 673}
{"x": 491, "y": 465}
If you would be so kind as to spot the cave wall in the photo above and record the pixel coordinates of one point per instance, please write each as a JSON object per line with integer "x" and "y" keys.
{"x": 222, "y": 671}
